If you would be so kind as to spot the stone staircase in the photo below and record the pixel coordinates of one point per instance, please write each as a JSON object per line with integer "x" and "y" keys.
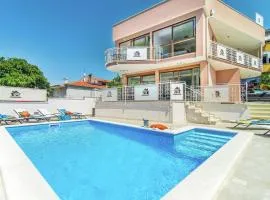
{"x": 259, "y": 110}
{"x": 195, "y": 114}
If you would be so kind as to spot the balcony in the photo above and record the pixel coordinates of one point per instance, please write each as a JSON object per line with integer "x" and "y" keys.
{"x": 233, "y": 56}
{"x": 132, "y": 55}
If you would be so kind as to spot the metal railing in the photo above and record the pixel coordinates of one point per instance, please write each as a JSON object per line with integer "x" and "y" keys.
{"x": 116, "y": 55}
{"x": 225, "y": 93}
{"x": 231, "y": 55}
{"x": 193, "y": 93}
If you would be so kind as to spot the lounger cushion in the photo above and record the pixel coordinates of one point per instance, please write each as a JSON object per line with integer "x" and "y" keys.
{"x": 24, "y": 114}
{"x": 69, "y": 113}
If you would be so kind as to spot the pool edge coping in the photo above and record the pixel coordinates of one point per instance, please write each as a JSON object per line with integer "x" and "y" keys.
{"x": 20, "y": 178}
{"x": 180, "y": 187}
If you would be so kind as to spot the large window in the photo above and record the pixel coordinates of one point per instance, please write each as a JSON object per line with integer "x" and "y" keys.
{"x": 125, "y": 44}
{"x": 136, "y": 80}
{"x": 190, "y": 76}
{"x": 148, "y": 79}
{"x": 177, "y": 39}
{"x": 142, "y": 41}
{"x": 183, "y": 31}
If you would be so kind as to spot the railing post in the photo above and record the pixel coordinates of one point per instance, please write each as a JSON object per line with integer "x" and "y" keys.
{"x": 246, "y": 92}
{"x": 125, "y": 90}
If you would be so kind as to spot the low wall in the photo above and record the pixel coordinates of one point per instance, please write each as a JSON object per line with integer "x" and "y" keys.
{"x": 22, "y": 94}
{"x": 152, "y": 115}
{"x": 157, "y": 111}
{"x": 75, "y": 105}
{"x": 226, "y": 112}
{"x": 154, "y": 110}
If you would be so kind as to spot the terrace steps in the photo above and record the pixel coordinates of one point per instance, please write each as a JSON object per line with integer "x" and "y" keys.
{"x": 259, "y": 110}
{"x": 196, "y": 114}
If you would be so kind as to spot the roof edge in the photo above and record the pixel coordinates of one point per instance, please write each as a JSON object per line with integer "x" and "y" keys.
{"x": 242, "y": 14}
{"x": 164, "y": 1}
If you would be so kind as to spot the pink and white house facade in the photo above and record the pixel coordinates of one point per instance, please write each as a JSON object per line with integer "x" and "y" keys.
{"x": 200, "y": 42}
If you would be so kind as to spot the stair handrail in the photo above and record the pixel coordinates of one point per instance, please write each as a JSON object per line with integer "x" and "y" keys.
{"x": 197, "y": 92}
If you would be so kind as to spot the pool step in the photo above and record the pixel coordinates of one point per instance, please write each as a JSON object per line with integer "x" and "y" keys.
{"x": 213, "y": 135}
{"x": 199, "y": 144}
{"x": 206, "y": 139}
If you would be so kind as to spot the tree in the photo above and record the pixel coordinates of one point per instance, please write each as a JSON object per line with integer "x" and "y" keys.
{"x": 265, "y": 80}
{"x": 18, "y": 72}
{"x": 116, "y": 82}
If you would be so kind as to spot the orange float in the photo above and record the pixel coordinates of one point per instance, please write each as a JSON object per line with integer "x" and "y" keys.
{"x": 159, "y": 126}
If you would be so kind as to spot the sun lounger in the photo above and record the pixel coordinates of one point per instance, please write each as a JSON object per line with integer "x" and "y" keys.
{"x": 63, "y": 116}
{"x": 262, "y": 124}
{"x": 76, "y": 115}
{"x": 7, "y": 118}
{"x": 45, "y": 113}
{"x": 24, "y": 114}
{"x": 249, "y": 122}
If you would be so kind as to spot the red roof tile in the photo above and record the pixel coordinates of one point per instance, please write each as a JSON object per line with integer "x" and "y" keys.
{"x": 85, "y": 84}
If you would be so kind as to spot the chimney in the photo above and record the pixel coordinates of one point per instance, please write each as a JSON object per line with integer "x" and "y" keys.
{"x": 65, "y": 80}
{"x": 84, "y": 77}
{"x": 90, "y": 78}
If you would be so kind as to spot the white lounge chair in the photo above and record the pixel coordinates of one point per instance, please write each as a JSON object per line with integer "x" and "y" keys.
{"x": 44, "y": 112}
{"x": 36, "y": 117}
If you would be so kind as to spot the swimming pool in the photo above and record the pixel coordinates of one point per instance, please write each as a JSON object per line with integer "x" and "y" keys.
{"x": 97, "y": 160}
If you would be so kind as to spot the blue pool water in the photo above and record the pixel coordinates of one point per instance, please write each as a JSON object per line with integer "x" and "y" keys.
{"x": 95, "y": 160}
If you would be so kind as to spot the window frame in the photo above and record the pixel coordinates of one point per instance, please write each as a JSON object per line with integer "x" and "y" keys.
{"x": 194, "y": 71}
{"x": 172, "y": 43}
{"x": 136, "y": 38}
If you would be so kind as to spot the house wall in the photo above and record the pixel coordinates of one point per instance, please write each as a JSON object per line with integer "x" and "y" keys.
{"x": 124, "y": 32}
{"x": 213, "y": 76}
{"x": 59, "y": 92}
{"x": 204, "y": 73}
{"x": 79, "y": 92}
{"x": 154, "y": 16}
{"x": 230, "y": 76}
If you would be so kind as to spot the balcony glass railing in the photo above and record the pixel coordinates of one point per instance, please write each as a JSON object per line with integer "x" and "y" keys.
{"x": 234, "y": 56}
{"x": 131, "y": 54}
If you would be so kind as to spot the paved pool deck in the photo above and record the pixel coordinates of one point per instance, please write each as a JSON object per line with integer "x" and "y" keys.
{"x": 250, "y": 177}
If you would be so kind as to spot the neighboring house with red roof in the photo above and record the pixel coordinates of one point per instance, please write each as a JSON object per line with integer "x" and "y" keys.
{"x": 88, "y": 86}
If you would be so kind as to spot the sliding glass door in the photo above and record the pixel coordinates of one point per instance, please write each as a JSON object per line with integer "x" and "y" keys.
{"x": 177, "y": 39}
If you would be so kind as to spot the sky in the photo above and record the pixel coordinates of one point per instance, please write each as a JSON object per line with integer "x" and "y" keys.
{"x": 67, "y": 38}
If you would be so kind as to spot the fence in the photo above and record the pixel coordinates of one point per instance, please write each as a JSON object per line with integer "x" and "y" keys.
{"x": 125, "y": 54}
{"x": 234, "y": 56}
{"x": 178, "y": 91}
